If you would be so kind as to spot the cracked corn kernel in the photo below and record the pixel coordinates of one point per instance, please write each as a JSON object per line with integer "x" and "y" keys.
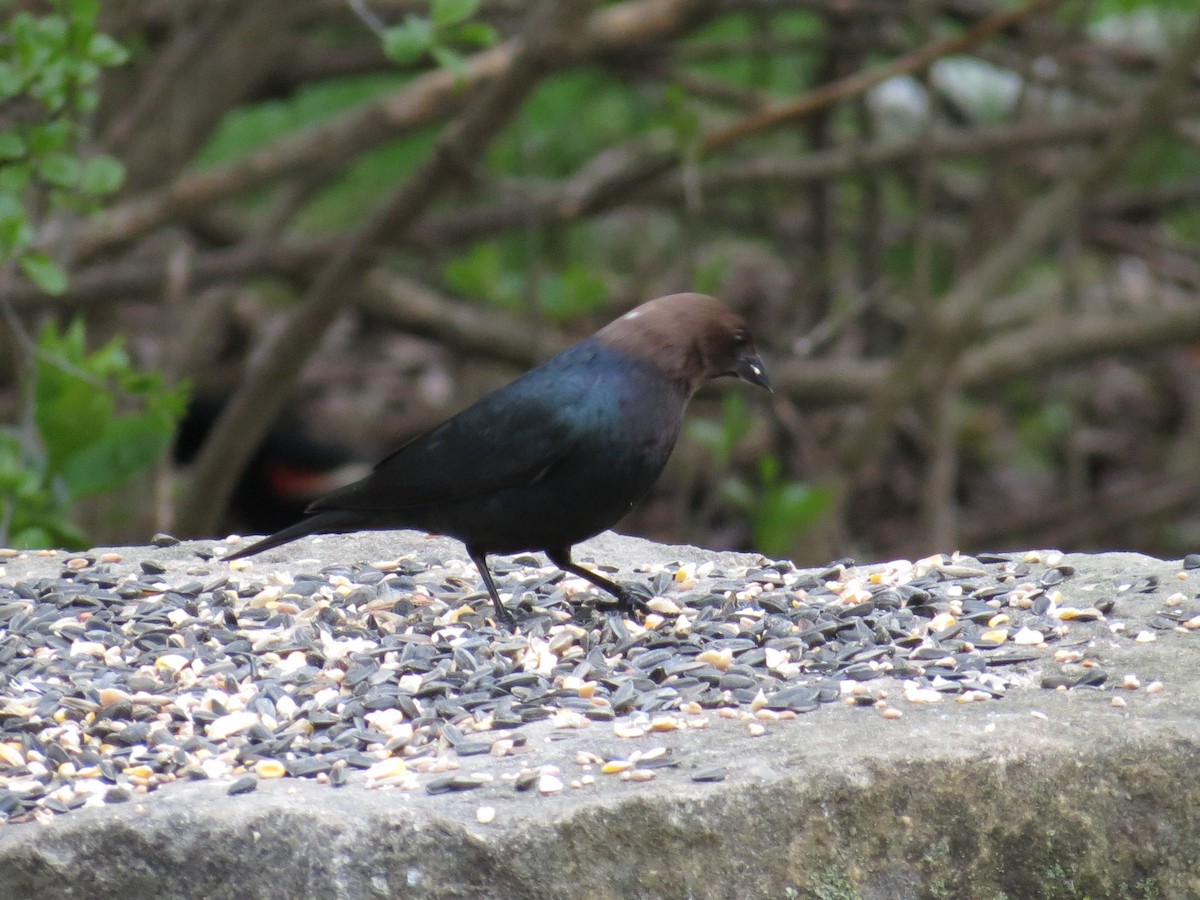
{"x": 269, "y": 768}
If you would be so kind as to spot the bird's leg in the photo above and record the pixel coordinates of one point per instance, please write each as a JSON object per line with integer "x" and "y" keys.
{"x": 629, "y": 598}
{"x": 502, "y": 613}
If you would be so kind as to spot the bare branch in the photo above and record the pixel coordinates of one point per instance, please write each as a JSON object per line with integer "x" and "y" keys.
{"x": 1064, "y": 340}
{"x": 238, "y": 45}
{"x": 863, "y": 81}
{"x": 959, "y": 312}
{"x": 549, "y": 38}
{"x": 631, "y": 27}
{"x": 642, "y": 170}
{"x": 469, "y": 329}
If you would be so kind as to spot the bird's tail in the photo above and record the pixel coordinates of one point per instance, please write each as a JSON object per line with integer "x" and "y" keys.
{"x": 331, "y": 522}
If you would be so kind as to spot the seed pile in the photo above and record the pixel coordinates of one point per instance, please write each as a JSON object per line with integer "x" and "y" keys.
{"x": 116, "y": 678}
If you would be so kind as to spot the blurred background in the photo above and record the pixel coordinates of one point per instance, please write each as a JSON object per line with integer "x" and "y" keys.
{"x": 250, "y": 247}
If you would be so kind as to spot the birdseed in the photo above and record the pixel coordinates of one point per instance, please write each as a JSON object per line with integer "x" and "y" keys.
{"x": 117, "y": 677}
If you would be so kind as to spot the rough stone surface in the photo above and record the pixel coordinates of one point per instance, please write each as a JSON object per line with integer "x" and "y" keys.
{"x": 1040, "y": 794}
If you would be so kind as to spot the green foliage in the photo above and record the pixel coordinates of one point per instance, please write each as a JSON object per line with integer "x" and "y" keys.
{"x": 74, "y": 441}
{"x": 98, "y": 423}
{"x": 901, "y": 261}
{"x": 1045, "y": 430}
{"x": 485, "y": 273}
{"x": 601, "y": 110}
{"x": 1184, "y": 223}
{"x": 570, "y": 292}
{"x": 101, "y": 175}
{"x": 447, "y": 13}
{"x": 33, "y": 512}
{"x": 1161, "y": 157}
{"x": 407, "y": 43}
{"x": 342, "y": 204}
{"x": 366, "y": 184}
{"x": 49, "y": 67}
{"x": 682, "y": 118}
{"x": 721, "y": 436}
{"x": 249, "y": 127}
{"x": 481, "y": 273}
{"x": 1104, "y": 8}
{"x": 446, "y": 28}
{"x": 710, "y": 275}
{"x": 780, "y": 509}
{"x": 777, "y": 73}
{"x": 44, "y": 272}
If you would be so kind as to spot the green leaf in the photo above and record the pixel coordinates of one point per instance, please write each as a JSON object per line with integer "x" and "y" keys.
{"x": 84, "y": 10}
{"x": 15, "y": 236}
{"x": 15, "y": 231}
{"x": 104, "y": 51}
{"x": 11, "y": 145}
{"x": 11, "y": 81}
{"x": 408, "y": 42}
{"x": 10, "y": 209}
{"x": 23, "y": 28}
{"x": 110, "y": 361}
{"x": 476, "y": 273}
{"x": 49, "y": 137}
{"x": 722, "y": 435}
{"x": 85, "y": 446}
{"x": 53, "y": 29}
{"x": 573, "y": 292}
{"x": 60, "y": 169}
{"x": 33, "y": 537}
{"x": 85, "y": 74}
{"x": 14, "y": 178}
{"x": 45, "y": 273}
{"x": 451, "y": 12}
{"x": 476, "y": 34}
{"x": 448, "y": 59}
{"x": 72, "y": 405}
{"x": 785, "y": 513}
{"x": 51, "y": 88}
{"x": 683, "y": 120}
{"x": 125, "y": 447}
{"x": 710, "y": 275}
{"x": 101, "y": 175}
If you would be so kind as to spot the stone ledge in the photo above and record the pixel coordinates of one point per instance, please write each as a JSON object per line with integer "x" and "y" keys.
{"x": 1041, "y": 793}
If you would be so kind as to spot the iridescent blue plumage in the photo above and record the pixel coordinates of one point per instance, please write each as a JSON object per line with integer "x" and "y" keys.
{"x": 559, "y": 454}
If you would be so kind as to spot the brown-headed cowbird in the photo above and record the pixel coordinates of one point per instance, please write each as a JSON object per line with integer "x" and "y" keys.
{"x": 558, "y": 455}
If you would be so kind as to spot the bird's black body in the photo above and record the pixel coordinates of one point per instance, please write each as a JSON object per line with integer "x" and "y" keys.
{"x": 556, "y": 456}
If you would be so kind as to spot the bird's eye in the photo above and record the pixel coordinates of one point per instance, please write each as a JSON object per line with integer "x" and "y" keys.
{"x": 740, "y": 339}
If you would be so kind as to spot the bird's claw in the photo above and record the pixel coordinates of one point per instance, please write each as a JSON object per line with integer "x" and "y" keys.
{"x": 504, "y": 617}
{"x": 633, "y": 598}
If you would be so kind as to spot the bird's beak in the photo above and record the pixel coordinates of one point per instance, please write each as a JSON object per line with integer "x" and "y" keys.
{"x": 750, "y": 368}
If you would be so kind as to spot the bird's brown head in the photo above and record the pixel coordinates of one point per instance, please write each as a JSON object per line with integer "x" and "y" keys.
{"x": 691, "y": 337}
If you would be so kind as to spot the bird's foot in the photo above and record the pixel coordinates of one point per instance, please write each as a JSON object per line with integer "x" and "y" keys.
{"x": 504, "y": 617}
{"x": 633, "y": 597}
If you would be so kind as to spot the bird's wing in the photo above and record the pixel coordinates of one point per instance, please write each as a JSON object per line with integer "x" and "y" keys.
{"x": 508, "y": 438}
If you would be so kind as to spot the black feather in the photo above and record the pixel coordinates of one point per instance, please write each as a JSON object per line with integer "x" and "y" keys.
{"x": 558, "y": 455}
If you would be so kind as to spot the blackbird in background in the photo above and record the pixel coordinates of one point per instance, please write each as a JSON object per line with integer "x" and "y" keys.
{"x": 287, "y": 472}
{"x": 558, "y": 455}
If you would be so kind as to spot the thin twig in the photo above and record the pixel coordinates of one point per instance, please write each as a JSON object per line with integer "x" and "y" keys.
{"x": 367, "y": 16}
